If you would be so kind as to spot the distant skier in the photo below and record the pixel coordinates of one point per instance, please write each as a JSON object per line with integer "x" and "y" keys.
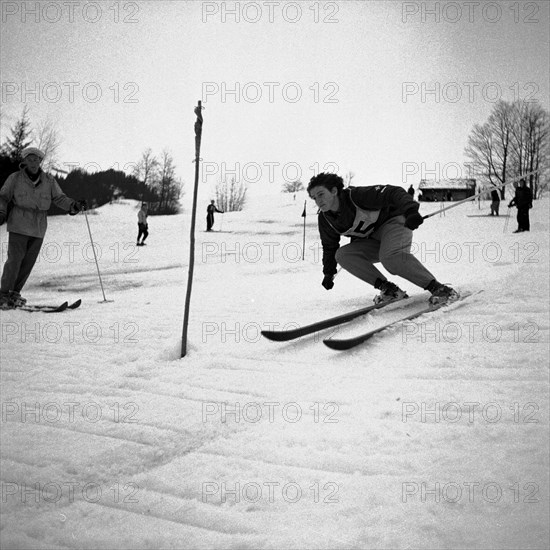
{"x": 210, "y": 209}
{"x": 495, "y": 202}
{"x": 524, "y": 202}
{"x": 410, "y": 191}
{"x": 29, "y": 192}
{"x": 380, "y": 221}
{"x": 143, "y": 227}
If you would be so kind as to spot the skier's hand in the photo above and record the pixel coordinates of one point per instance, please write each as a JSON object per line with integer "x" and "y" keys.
{"x": 2, "y": 218}
{"x": 81, "y": 205}
{"x": 78, "y": 206}
{"x": 328, "y": 281}
{"x": 413, "y": 220}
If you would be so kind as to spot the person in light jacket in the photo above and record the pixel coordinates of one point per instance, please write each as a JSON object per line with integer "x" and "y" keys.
{"x": 25, "y": 199}
{"x": 143, "y": 226}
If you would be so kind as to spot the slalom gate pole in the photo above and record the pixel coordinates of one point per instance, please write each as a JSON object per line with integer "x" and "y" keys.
{"x": 198, "y": 136}
{"x": 304, "y": 238}
{"x": 515, "y": 180}
{"x": 96, "y": 262}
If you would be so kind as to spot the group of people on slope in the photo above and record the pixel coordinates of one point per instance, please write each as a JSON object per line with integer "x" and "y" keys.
{"x": 523, "y": 200}
{"x": 143, "y": 226}
{"x": 379, "y": 220}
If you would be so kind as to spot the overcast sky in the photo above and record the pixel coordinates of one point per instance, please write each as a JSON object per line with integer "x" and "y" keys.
{"x": 388, "y": 90}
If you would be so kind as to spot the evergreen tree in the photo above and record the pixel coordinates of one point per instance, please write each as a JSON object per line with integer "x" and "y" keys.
{"x": 20, "y": 137}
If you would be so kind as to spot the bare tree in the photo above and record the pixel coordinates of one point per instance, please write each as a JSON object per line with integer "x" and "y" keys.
{"x": 293, "y": 187}
{"x": 147, "y": 169}
{"x": 530, "y": 142}
{"x": 348, "y": 178}
{"x": 48, "y": 141}
{"x": 168, "y": 187}
{"x": 490, "y": 146}
{"x": 231, "y": 196}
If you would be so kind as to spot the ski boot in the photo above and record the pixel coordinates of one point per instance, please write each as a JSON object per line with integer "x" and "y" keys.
{"x": 6, "y": 301}
{"x": 441, "y": 293}
{"x": 17, "y": 299}
{"x": 389, "y": 292}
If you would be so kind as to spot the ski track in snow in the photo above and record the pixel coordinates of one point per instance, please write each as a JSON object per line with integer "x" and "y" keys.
{"x": 116, "y": 408}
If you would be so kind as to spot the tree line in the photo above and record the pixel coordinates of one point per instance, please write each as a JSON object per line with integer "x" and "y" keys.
{"x": 513, "y": 141}
{"x": 152, "y": 180}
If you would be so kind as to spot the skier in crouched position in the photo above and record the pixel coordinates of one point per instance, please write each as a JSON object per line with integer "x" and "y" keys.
{"x": 380, "y": 221}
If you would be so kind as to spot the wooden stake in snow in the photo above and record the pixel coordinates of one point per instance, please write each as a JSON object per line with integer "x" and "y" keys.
{"x": 198, "y": 135}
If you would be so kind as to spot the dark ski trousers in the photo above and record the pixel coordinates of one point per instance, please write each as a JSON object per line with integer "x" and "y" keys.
{"x": 390, "y": 244}
{"x": 142, "y": 231}
{"x": 523, "y": 218}
{"x": 209, "y": 222}
{"x": 22, "y": 254}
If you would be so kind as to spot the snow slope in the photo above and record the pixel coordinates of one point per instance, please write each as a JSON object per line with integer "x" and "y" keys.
{"x": 432, "y": 435}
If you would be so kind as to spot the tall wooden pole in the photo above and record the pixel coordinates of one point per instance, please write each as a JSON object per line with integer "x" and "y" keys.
{"x": 198, "y": 135}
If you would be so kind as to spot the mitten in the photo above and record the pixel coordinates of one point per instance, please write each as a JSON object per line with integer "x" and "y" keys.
{"x": 413, "y": 220}
{"x": 328, "y": 281}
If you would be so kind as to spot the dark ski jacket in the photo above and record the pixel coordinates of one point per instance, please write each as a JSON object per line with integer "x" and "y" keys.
{"x": 523, "y": 198}
{"x": 210, "y": 209}
{"x": 362, "y": 211}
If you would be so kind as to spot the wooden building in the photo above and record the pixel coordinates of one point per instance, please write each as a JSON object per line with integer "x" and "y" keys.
{"x": 446, "y": 190}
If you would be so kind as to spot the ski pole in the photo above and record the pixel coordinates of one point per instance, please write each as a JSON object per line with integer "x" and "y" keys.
{"x": 515, "y": 180}
{"x": 95, "y": 258}
{"x": 507, "y": 220}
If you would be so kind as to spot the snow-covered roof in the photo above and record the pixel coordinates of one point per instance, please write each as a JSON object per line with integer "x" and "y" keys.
{"x": 456, "y": 183}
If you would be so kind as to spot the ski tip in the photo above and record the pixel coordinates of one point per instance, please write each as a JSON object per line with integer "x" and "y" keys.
{"x": 335, "y": 344}
{"x": 343, "y": 345}
{"x": 75, "y": 304}
{"x": 274, "y": 335}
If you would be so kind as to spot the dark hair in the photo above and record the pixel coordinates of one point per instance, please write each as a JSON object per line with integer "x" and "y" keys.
{"x": 327, "y": 180}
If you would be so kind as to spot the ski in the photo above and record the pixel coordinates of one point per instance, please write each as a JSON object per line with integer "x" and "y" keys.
{"x": 51, "y": 308}
{"x": 45, "y": 308}
{"x": 348, "y": 343}
{"x": 292, "y": 334}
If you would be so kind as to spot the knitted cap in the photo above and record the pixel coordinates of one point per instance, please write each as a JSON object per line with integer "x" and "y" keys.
{"x": 32, "y": 151}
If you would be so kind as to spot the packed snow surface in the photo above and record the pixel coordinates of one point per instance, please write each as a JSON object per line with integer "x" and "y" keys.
{"x": 433, "y": 434}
